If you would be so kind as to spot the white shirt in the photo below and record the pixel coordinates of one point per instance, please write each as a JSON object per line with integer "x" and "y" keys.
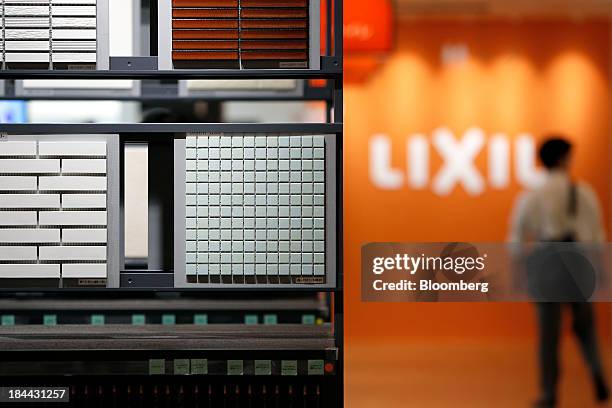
{"x": 543, "y": 214}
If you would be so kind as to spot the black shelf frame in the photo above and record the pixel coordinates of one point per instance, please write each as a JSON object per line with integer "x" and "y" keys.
{"x": 144, "y": 68}
{"x": 147, "y": 131}
{"x": 331, "y": 68}
{"x": 156, "y": 91}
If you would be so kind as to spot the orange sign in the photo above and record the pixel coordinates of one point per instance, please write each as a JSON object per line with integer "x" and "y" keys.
{"x": 368, "y": 26}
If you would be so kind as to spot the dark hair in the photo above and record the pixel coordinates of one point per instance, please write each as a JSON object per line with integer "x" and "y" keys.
{"x": 160, "y": 115}
{"x": 554, "y": 151}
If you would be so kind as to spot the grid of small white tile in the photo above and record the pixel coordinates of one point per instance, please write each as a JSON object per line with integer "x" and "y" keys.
{"x": 255, "y": 206}
{"x": 48, "y": 31}
{"x": 53, "y": 206}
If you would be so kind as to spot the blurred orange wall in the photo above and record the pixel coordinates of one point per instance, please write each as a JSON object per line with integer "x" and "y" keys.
{"x": 534, "y": 77}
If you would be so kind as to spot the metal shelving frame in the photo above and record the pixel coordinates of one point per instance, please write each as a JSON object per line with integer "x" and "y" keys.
{"x": 145, "y": 68}
{"x": 156, "y": 91}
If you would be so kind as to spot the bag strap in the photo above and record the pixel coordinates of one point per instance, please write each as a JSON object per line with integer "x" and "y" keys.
{"x": 573, "y": 200}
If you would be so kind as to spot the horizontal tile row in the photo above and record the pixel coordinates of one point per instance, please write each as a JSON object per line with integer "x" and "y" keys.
{"x": 246, "y": 167}
{"x": 57, "y": 57}
{"x": 234, "y": 3}
{"x": 306, "y": 200}
{"x": 251, "y": 234}
{"x": 52, "y": 218}
{"x": 46, "y": 45}
{"x": 51, "y": 183}
{"x": 52, "y": 253}
{"x": 57, "y": 34}
{"x": 232, "y": 34}
{"x": 240, "y": 176}
{"x": 11, "y": 23}
{"x": 252, "y": 153}
{"x": 255, "y": 269}
{"x": 213, "y": 258}
{"x": 249, "y": 245}
{"x": 43, "y": 10}
{"x": 52, "y": 271}
{"x": 27, "y": 201}
{"x": 285, "y": 249}
{"x": 256, "y": 188}
{"x": 255, "y": 141}
{"x": 52, "y": 149}
{"x": 51, "y": 236}
{"x": 8, "y": 2}
{"x": 217, "y": 256}
{"x": 278, "y": 214}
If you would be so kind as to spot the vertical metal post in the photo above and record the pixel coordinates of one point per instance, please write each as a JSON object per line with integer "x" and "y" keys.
{"x": 338, "y": 21}
{"x": 161, "y": 206}
{"x": 338, "y": 54}
{"x": 338, "y": 109}
{"x": 121, "y": 204}
{"x": 339, "y": 292}
{"x": 328, "y": 29}
{"x": 153, "y": 31}
{"x": 338, "y": 100}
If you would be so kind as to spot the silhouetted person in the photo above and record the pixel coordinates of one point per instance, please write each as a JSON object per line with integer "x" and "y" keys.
{"x": 561, "y": 211}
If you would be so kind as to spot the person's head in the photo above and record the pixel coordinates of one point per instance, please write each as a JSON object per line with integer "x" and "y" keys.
{"x": 160, "y": 115}
{"x": 555, "y": 153}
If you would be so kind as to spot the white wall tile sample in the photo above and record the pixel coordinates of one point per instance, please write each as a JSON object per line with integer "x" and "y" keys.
{"x": 255, "y": 209}
{"x": 65, "y": 32}
{"x": 67, "y": 149}
{"x": 90, "y": 270}
{"x": 26, "y": 166}
{"x": 94, "y": 236}
{"x": 72, "y": 218}
{"x": 21, "y": 218}
{"x": 30, "y": 235}
{"x": 19, "y": 271}
{"x": 54, "y": 207}
{"x": 18, "y": 183}
{"x": 84, "y": 201}
{"x": 84, "y": 166}
{"x": 17, "y": 253}
{"x": 18, "y": 149}
{"x": 72, "y": 183}
{"x": 21, "y": 201}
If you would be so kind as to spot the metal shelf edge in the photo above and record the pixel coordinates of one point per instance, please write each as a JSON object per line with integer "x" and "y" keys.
{"x": 97, "y": 128}
{"x": 173, "y": 74}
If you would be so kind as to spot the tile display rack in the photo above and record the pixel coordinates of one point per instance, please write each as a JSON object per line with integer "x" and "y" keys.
{"x": 159, "y": 275}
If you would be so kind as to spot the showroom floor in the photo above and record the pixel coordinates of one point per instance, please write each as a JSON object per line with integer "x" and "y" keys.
{"x": 484, "y": 374}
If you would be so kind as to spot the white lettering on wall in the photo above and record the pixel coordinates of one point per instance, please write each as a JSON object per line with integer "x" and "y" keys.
{"x": 525, "y": 161}
{"x": 458, "y": 168}
{"x": 498, "y": 159}
{"x": 418, "y": 162}
{"x": 458, "y": 156}
{"x": 381, "y": 173}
